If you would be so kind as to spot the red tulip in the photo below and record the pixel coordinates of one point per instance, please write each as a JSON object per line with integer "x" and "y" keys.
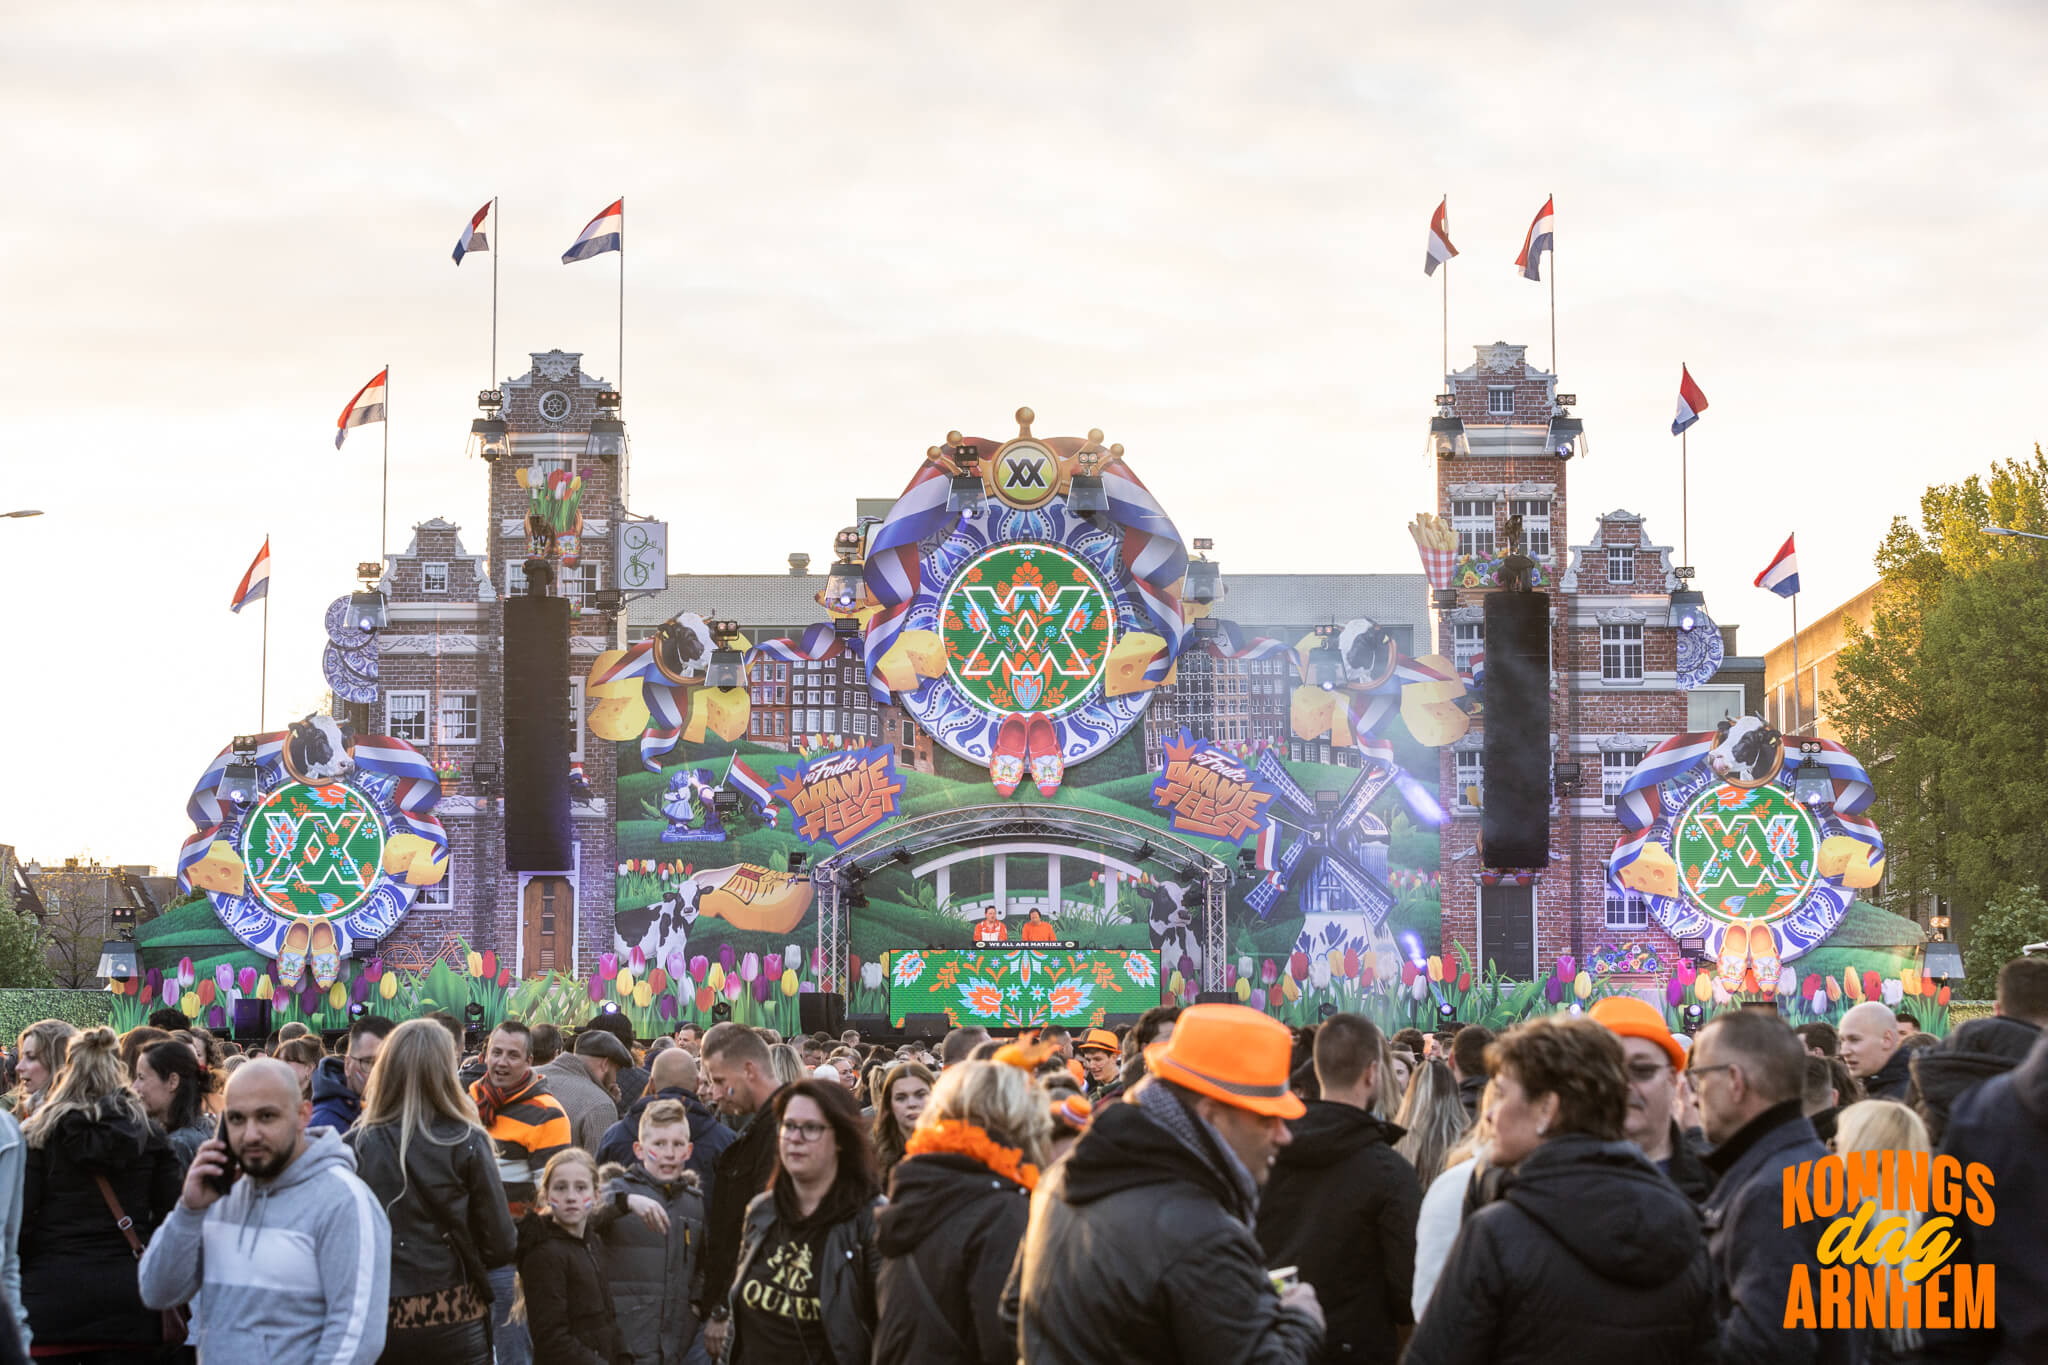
{"x": 1940, "y": 997}
{"x": 490, "y": 964}
{"x": 1274, "y": 997}
{"x": 1464, "y": 981}
{"x": 1409, "y": 972}
{"x": 505, "y": 977}
{"x": 704, "y": 999}
{"x": 1351, "y": 964}
{"x": 1873, "y": 986}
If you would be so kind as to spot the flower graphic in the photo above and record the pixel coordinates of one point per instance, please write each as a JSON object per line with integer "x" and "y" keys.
{"x": 981, "y": 997}
{"x": 793, "y": 957}
{"x": 1319, "y": 971}
{"x": 607, "y": 965}
{"x": 750, "y": 967}
{"x": 1069, "y": 998}
{"x": 1143, "y": 971}
{"x": 908, "y": 968}
{"x": 678, "y": 965}
{"x": 789, "y": 981}
{"x": 871, "y": 976}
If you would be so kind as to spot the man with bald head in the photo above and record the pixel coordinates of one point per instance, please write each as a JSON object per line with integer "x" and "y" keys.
{"x": 1869, "y": 1046}
{"x": 286, "y": 1251}
{"x": 673, "y": 1076}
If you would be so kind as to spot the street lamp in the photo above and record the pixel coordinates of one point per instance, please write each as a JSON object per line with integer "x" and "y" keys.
{"x": 1988, "y": 530}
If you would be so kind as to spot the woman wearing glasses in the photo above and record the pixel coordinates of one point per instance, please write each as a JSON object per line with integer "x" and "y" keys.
{"x": 805, "y": 1288}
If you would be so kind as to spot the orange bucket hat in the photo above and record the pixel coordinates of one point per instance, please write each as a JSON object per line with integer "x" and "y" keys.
{"x": 1628, "y": 1017}
{"x": 1230, "y": 1053}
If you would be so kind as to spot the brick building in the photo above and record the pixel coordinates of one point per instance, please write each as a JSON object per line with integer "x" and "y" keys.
{"x": 441, "y": 688}
{"x": 1614, "y": 687}
{"x": 1820, "y": 642}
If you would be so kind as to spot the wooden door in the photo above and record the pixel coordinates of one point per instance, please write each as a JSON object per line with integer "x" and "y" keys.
{"x": 547, "y": 920}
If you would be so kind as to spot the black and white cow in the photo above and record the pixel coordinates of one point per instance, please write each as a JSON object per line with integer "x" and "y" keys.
{"x": 1173, "y": 933}
{"x": 1746, "y": 751}
{"x": 660, "y": 928}
{"x": 319, "y": 749}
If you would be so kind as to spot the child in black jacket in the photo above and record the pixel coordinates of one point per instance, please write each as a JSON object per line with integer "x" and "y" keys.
{"x": 563, "y": 1292}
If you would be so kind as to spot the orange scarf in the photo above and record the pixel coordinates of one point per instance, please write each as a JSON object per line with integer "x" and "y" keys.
{"x": 960, "y": 1138}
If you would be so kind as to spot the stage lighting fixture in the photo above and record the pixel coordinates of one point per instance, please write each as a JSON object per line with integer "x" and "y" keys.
{"x": 965, "y": 494}
{"x": 795, "y": 860}
{"x": 608, "y": 600}
{"x": 903, "y": 856}
{"x": 1085, "y": 494}
{"x": 725, "y": 803}
{"x": 1143, "y": 851}
{"x": 726, "y": 669}
{"x": 1447, "y": 437}
{"x": 239, "y": 783}
{"x": 1444, "y": 1009}
{"x": 1687, "y": 606}
{"x": 607, "y": 440}
{"x": 857, "y": 901}
{"x": 485, "y": 771}
{"x": 1325, "y": 667}
{"x": 1693, "y": 1013}
{"x": 366, "y": 610}
{"x": 1811, "y": 785}
{"x": 358, "y": 1009}
{"x": 1248, "y": 860}
{"x": 608, "y": 1007}
{"x": 721, "y": 1011}
{"x": 1325, "y": 1010}
{"x": 119, "y": 960}
{"x": 487, "y": 439}
{"x": 1202, "y": 580}
{"x": 1567, "y": 436}
{"x": 473, "y": 1012}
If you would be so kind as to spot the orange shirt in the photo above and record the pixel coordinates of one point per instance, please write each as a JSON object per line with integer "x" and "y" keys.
{"x": 1041, "y": 932}
{"x": 990, "y": 931}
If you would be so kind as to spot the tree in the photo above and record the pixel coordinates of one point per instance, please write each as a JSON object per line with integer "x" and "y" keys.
{"x": 22, "y": 959}
{"x": 1997, "y": 934}
{"x": 1943, "y": 694}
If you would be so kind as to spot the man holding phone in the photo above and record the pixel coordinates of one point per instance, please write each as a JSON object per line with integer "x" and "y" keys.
{"x": 286, "y": 1250}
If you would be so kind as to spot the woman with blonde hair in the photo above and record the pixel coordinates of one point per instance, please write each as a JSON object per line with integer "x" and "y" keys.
{"x": 958, "y": 1203}
{"x": 787, "y": 1063}
{"x": 91, "y": 1144}
{"x": 899, "y": 1099}
{"x": 1886, "y": 1126}
{"x": 1433, "y": 1116}
{"x": 421, "y": 1149}
{"x": 38, "y": 1053}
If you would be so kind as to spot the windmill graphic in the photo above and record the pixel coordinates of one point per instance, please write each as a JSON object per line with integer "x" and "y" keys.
{"x": 1324, "y": 850}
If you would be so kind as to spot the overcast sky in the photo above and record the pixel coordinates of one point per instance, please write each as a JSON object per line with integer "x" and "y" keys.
{"x": 853, "y": 227}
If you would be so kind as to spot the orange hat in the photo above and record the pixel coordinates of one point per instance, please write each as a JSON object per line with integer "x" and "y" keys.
{"x": 1099, "y": 1038}
{"x": 1629, "y": 1017}
{"x": 1230, "y": 1053}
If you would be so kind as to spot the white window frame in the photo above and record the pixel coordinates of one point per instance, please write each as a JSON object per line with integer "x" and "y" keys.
{"x": 1500, "y": 400}
{"x": 577, "y": 581}
{"x": 1734, "y": 703}
{"x": 1472, "y": 519}
{"x": 1621, "y": 653}
{"x": 473, "y": 714}
{"x": 576, "y": 725}
{"x": 1624, "y": 558}
{"x": 831, "y": 722}
{"x": 429, "y": 571}
{"x": 425, "y": 712}
{"x": 1467, "y": 639}
{"x": 1535, "y": 515}
{"x": 1468, "y": 769}
{"x": 441, "y": 895}
{"x": 1626, "y": 912}
{"x": 1615, "y": 766}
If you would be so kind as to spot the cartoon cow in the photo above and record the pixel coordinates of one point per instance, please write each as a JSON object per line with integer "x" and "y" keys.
{"x": 319, "y": 750}
{"x": 662, "y": 927}
{"x": 1746, "y": 752}
{"x": 1173, "y": 933}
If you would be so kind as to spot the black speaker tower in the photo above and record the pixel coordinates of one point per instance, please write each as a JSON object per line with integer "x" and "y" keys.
{"x": 1514, "y": 820}
{"x": 538, "y": 831}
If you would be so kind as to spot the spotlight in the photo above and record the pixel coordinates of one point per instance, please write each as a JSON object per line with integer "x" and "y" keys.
{"x": 965, "y": 495}
{"x": 366, "y": 610}
{"x": 238, "y": 783}
{"x": 1444, "y": 1010}
{"x": 1085, "y": 494}
{"x": 1686, "y": 608}
{"x": 902, "y": 855}
{"x": 1447, "y": 436}
{"x": 485, "y": 772}
{"x": 843, "y": 584}
{"x": 1247, "y": 860}
{"x": 487, "y": 439}
{"x": 725, "y": 803}
{"x": 1326, "y": 1009}
{"x": 1325, "y": 667}
{"x": 795, "y": 860}
{"x": 1203, "y": 577}
{"x": 609, "y": 600}
{"x": 473, "y": 1012}
{"x": 1567, "y": 436}
{"x": 357, "y": 1010}
{"x": 607, "y": 440}
{"x": 1811, "y": 785}
{"x": 1693, "y": 1013}
{"x": 608, "y": 1007}
{"x": 726, "y": 669}
{"x": 721, "y": 1011}
{"x": 1143, "y": 851}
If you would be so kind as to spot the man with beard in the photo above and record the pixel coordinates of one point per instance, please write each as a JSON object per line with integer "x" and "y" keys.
{"x": 1652, "y": 1058}
{"x": 297, "y": 1246}
{"x": 527, "y": 1126}
{"x": 741, "y": 1079}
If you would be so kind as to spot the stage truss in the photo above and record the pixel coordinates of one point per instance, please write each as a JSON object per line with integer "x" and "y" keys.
{"x": 837, "y": 877}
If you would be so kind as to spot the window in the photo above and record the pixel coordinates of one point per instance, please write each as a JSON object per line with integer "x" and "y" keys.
{"x": 577, "y": 582}
{"x": 1472, "y": 519}
{"x": 1500, "y": 402}
{"x": 460, "y": 722}
{"x": 810, "y": 722}
{"x": 1621, "y": 564}
{"x": 860, "y": 723}
{"x": 433, "y": 578}
{"x": 1627, "y": 912}
{"x": 1466, "y": 639}
{"x": 831, "y": 699}
{"x": 754, "y": 723}
{"x": 405, "y": 716}
{"x": 1535, "y": 515}
{"x": 576, "y": 720}
{"x": 442, "y": 893}
{"x": 1471, "y": 778}
{"x": 1615, "y": 766}
{"x": 1621, "y": 653}
{"x": 909, "y": 733}
{"x": 779, "y": 731}
{"x": 831, "y": 723}
{"x": 1706, "y": 707}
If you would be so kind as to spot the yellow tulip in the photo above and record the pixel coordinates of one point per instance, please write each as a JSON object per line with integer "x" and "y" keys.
{"x": 1909, "y": 977}
{"x": 1174, "y": 982}
{"x": 1337, "y": 962}
{"x": 189, "y": 1002}
{"x": 1244, "y": 990}
{"x": 624, "y": 985}
{"x": 1703, "y": 987}
{"x": 337, "y": 996}
{"x": 716, "y": 981}
{"x": 790, "y": 985}
{"x": 1436, "y": 969}
{"x": 1582, "y": 985}
{"x": 1289, "y": 989}
{"x": 643, "y": 995}
{"x": 387, "y": 986}
{"x": 1367, "y": 963}
{"x": 265, "y": 987}
{"x": 476, "y": 963}
{"x": 1852, "y": 983}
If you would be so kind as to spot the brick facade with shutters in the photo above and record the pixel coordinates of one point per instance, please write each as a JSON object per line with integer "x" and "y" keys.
{"x": 1613, "y": 703}
{"x": 441, "y": 683}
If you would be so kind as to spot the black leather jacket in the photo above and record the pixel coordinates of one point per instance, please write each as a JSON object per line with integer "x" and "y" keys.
{"x": 457, "y": 1173}
{"x": 846, "y": 1278}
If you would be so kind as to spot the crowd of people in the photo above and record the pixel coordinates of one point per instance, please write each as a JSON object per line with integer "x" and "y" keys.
{"x": 1205, "y": 1185}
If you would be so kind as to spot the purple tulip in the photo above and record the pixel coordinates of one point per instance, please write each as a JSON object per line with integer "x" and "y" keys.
{"x": 761, "y": 989}
{"x": 376, "y": 969}
{"x": 1567, "y": 968}
{"x": 1187, "y": 966}
{"x": 155, "y": 980}
{"x": 360, "y": 991}
{"x": 1553, "y": 990}
{"x": 216, "y": 1017}
{"x": 666, "y": 1006}
{"x": 596, "y": 989}
{"x": 1674, "y": 992}
{"x": 678, "y": 966}
{"x": 224, "y": 976}
{"x": 310, "y": 995}
{"x": 804, "y": 987}
{"x": 725, "y": 958}
{"x": 248, "y": 980}
{"x": 700, "y": 967}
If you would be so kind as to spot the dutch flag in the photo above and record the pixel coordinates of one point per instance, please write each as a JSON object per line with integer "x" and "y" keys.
{"x": 366, "y": 407}
{"x": 1530, "y": 262}
{"x": 473, "y": 237}
{"x": 1781, "y": 575}
{"x": 1267, "y": 848}
{"x": 256, "y": 582}
{"x": 1691, "y": 402}
{"x": 1439, "y": 249}
{"x": 745, "y": 779}
{"x": 607, "y": 232}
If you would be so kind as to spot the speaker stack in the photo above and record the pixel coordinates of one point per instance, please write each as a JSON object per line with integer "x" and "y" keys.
{"x": 1514, "y": 820}
{"x": 538, "y": 831}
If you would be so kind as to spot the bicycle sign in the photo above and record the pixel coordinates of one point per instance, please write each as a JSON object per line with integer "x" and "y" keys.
{"x": 641, "y": 552}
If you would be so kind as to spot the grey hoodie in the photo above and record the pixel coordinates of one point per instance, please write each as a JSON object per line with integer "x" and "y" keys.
{"x": 297, "y": 1268}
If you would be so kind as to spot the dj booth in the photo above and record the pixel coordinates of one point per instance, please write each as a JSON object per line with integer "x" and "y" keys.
{"x": 1016, "y": 985}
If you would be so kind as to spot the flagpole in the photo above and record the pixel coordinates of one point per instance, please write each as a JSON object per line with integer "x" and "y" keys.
{"x": 497, "y": 226}
{"x": 263, "y": 690}
{"x": 1447, "y": 298}
{"x": 1684, "y": 506}
{"x": 622, "y": 296}
{"x": 1795, "y": 663}
{"x": 384, "y": 515}
{"x": 1552, "y": 199}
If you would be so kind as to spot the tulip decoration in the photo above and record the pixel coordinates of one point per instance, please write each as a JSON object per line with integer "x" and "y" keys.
{"x": 596, "y": 989}
{"x": 1244, "y": 990}
{"x": 734, "y": 986}
{"x": 1582, "y": 985}
{"x": 793, "y": 957}
{"x": 170, "y": 991}
{"x": 337, "y": 996}
{"x": 665, "y": 1007}
{"x": 1834, "y": 989}
{"x": 224, "y": 978}
{"x": 1436, "y": 969}
{"x": 789, "y": 981}
{"x": 1269, "y": 971}
{"x": 643, "y": 994}
{"x": 1275, "y": 997}
{"x": 1173, "y": 982}
{"x": 247, "y": 979}
{"x": 1297, "y": 967}
{"x": 185, "y": 973}
{"x": 657, "y": 981}
{"x": 387, "y": 987}
{"x": 1703, "y": 988}
{"x": 725, "y": 957}
{"x": 1408, "y": 973}
{"x": 1674, "y": 991}
{"x": 699, "y": 967}
{"x": 490, "y": 970}
{"x": 206, "y": 992}
{"x": 706, "y": 998}
{"x": 1291, "y": 988}
{"x": 476, "y": 963}
{"x": 1553, "y": 989}
{"x": 623, "y": 984}
{"x": 1852, "y": 984}
{"x": 1872, "y": 985}
{"x": 638, "y": 961}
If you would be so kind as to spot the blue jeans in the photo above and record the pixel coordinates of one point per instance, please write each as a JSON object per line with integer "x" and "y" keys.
{"x": 512, "y": 1344}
